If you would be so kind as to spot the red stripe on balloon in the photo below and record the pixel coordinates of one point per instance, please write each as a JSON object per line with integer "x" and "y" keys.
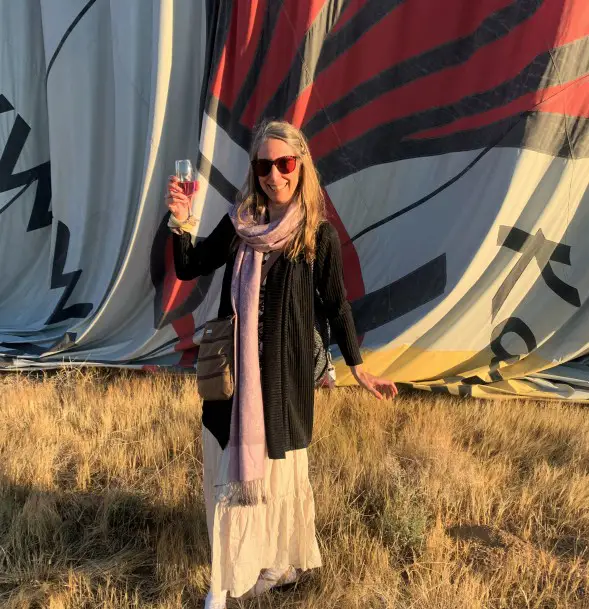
{"x": 491, "y": 66}
{"x": 418, "y": 26}
{"x": 569, "y": 99}
{"x": 349, "y": 13}
{"x": 185, "y": 329}
{"x": 174, "y": 294}
{"x": 245, "y": 30}
{"x": 295, "y": 19}
{"x": 353, "y": 280}
{"x": 189, "y": 357}
{"x": 174, "y": 291}
{"x": 574, "y": 102}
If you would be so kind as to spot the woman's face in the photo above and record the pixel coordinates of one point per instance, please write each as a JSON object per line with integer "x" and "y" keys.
{"x": 278, "y": 187}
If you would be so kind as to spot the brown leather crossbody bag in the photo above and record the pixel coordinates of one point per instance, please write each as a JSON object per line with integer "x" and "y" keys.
{"x": 215, "y": 363}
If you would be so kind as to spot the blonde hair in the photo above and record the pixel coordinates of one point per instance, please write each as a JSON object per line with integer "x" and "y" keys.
{"x": 253, "y": 202}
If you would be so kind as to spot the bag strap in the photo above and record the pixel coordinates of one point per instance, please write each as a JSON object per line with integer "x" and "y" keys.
{"x": 274, "y": 255}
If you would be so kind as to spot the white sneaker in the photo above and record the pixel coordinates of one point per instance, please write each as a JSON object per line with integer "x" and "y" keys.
{"x": 216, "y": 602}
{"x": 270, "y": 578}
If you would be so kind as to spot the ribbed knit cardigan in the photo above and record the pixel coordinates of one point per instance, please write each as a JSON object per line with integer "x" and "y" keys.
{"x": 289, "y": 303}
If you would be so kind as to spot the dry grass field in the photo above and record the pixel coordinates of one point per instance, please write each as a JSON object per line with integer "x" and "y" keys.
{"x": 429, "y": 502}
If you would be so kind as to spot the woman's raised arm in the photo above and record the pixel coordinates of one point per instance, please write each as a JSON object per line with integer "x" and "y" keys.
{"x": 206, "y": 254}
{"x": 195, "y": 257}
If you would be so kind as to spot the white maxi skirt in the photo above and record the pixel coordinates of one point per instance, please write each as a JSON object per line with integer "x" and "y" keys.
{"x": 272, "y": 535}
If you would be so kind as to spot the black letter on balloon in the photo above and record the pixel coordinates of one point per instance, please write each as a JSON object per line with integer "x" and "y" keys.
{"x": 400, "y": 297}
{"x": 41, "y": 214}
{"x": 545, "y": 252}
{"x": 59, "y": 279}
{"x": 512, "y": 325}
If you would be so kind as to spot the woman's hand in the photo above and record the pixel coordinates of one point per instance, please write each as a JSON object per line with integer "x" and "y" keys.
{"x": 378, "y": 387}
{"x": 178, "y": 203}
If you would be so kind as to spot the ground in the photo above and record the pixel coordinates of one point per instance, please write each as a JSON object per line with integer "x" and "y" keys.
{"x": 427, "y": 502}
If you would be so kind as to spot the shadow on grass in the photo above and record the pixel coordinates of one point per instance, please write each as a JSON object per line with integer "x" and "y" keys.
{"x": 101, "y": 539}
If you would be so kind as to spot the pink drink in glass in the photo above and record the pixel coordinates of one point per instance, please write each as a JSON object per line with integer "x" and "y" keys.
{"x": 186, "y": 176}
{"x": 189, "y": 187}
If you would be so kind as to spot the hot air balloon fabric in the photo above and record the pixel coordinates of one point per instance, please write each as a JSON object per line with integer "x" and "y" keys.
{"x": 452, "y": 139}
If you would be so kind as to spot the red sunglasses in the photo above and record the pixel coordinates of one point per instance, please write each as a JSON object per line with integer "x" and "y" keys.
{"x": 284, "y": 164}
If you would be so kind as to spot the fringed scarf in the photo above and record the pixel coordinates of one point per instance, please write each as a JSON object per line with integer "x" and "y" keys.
{"x": 247, "y": 437}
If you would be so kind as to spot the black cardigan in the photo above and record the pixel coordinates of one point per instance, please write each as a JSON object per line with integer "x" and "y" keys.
{"x": 287, "y": 355}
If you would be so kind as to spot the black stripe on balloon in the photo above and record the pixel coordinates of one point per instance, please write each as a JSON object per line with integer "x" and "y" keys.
{"x": 440, "y": 390}
{"x": 216, "y": 179}
{"x": 456, "y": 52}
{"x": 541, "y": 132}
{"x": 389, "y": 142}
{"x": 5, "y": 105}
{"x": 402, "y": 296}
{"x": 15, "y": 198}
{"x": 429, "y": 196}
{"x": 10, "y": 155}
{"x": 302, "y": 72}
{"x": 249, "y": 85}
{"x": 218, "y": 26}
{"x": 61, "y": 279}
{"x": 70, "y": 29}
{"x": 41, "y": 215}
{"x": 21, "y": 348}
{"x": 465, "y": 391}
{"x": 549, "y": 133}
{"x": 223, "y": 116}
{"x": 367, "y": 17}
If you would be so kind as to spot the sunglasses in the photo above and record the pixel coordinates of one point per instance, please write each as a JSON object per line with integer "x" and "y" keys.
{"x": 284, "y": 164}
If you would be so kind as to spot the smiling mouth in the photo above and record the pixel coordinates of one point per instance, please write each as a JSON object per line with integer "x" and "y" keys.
{"x": 276, "y": 188}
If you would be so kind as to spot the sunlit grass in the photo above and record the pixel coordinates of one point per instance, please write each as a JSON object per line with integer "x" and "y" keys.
{"x": 429, "y": 502}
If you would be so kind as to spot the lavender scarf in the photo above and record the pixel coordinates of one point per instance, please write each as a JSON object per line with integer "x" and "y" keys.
{"x": 247, "y": 437}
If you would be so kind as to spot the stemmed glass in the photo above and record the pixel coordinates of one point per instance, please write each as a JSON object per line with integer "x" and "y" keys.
{"x": 187, "y": 176}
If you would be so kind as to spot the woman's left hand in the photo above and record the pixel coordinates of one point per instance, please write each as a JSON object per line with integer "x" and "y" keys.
{"x": 378, "y": 387}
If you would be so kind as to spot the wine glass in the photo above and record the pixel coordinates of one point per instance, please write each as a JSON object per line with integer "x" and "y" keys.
{"x": 187, "y": 176}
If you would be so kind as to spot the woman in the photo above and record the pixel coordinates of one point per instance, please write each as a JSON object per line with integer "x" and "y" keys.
{"x": 260, "y": 509}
